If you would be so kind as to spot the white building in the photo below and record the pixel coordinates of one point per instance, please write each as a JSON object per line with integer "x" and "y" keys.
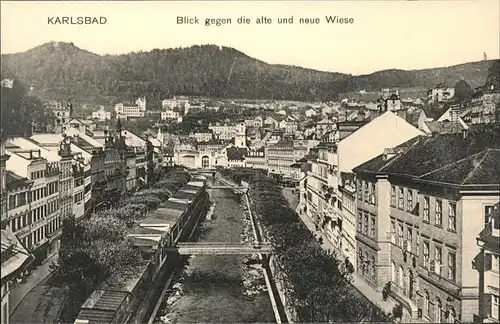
{"x": 46, "y": 219}
{"x": 137, "y": 111}
{"x": 333, "y": 169}
{"x": 101, "y": 114}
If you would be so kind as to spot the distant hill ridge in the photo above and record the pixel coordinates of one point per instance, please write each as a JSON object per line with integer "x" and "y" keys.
{"x": 58, "y": 69}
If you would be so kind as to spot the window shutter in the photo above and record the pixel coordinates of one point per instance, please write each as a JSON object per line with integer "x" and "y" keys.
{"x": 487, "y": 261}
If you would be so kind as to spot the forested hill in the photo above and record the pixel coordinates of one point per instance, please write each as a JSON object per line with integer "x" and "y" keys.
{"x": 59, "y": 70}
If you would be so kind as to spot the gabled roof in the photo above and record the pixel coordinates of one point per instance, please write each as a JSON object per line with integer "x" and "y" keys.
{"x": 445, "y": 159}
{"x": 236, "y": 153}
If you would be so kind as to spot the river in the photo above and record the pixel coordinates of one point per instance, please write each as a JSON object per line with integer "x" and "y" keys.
{"x": 219, "y": 288}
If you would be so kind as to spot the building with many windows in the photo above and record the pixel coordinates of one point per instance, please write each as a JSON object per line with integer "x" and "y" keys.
{"x": 487, "y": 264}
{"x": 44, "y": 221}
{"x": 420, "y": 207}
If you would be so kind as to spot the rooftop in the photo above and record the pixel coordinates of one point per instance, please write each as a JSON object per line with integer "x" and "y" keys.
{"x": 445, "y": 158}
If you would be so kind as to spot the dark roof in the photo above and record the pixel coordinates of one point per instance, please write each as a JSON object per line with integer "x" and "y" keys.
{"x": 447, "y": 158}
{"x": 96, "y": 315}
{"x": 14, "y": 180}
{"x": 236, "y": 153}
{"x": 184, "y": 195}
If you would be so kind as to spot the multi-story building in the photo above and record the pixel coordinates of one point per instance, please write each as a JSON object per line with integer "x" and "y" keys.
{"x": 420, "y": 207}
{"x": 331, "y": 177}
{"x": 64, "y": 160}
{"x": 14, "y": 260}
{"x": 487, "y": 264}
{"x": 131, "y": 111}
{"x": 62, "y": 112}
{"x": 131, "y": 178}
{"x": 280, "y": 158}
{"x": 485, "y": 105}
{"x": 101, "y": 114}
{"x": 223, "y": 131}
{"x": 18, "y": 215}
{"x": 115, "y": 169}
{"x": 78, "y": 172}
{"x": 256, "y": 158}
{"x": 322, "y": 196}
{"x": 45, "y": 219}
{"x": 440, "y": 93}
{"x": 202, "y": 136}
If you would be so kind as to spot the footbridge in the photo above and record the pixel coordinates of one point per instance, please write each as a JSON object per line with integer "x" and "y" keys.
{"x": 219, "y": 248}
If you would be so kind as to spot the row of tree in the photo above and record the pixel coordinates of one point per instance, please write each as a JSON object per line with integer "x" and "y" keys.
{"x": 96, "y": 249}
{"x": 319, "y": 287}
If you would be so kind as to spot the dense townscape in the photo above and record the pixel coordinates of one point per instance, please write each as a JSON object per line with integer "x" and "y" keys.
{"x": 369, "y": 206}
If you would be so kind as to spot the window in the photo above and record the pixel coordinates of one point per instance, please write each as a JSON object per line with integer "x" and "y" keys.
{"x": 425, "y": 254}
{"x": 400, "y": 277}
{"x": 373, "y": 194}
{"x": 393, "y": 272}
{"x": 438, "y": 220}
{"x": 426, "y": 209}
{"x": 409, "y": 200}
{"x": 366, "y": 188}
{"x": 372, "y": 227}
{"x": 494, "y": 306}
{"x": 408, "y": 239}
{"x": 360, "y": 221}
{"x": 393, "y": 232}
{"x": 487, "y": 212}
{"x": 12, "y": 201}
{"x": 438, "y": 311}
{"x": 427, "y": 308}
{"x": 438, "y": 259}
{"x": 494, "y": 262}
{"x": 417, "y": 244}
{"x": 360, "y": 191}
{"x": 452, "y": 217}
{"x": 365, "y": 231}
{"x": 393, "y": 196}
{"x": 452, "y": 266}
{"x": 400, "y": 235}
{"x": 401, "y": 198}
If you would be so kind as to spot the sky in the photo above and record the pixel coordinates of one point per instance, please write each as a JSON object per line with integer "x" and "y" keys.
{"x": 384, "y": 35}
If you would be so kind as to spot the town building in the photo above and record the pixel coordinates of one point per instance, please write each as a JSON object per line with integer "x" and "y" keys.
{"x": 487, "y": 264}
{"x": 331, "y": 177}
{"x": 420, "y": 207}
{"x": 131, "y": 111}
{"x": 440, "y": 93}
{"x": 256, "y": 159}
{"x": 485, "y": 107}
{"x": 44, "y": 221}
{"x": 63, "y": 113}
{"x": 15, "y": 258}
{"x": 102, "y": 114}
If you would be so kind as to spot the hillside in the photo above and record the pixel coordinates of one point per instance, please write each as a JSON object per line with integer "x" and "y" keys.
{"x": 59, "y": 70}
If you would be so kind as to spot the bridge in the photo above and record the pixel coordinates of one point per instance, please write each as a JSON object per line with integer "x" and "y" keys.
{"x": 219, "y": 248}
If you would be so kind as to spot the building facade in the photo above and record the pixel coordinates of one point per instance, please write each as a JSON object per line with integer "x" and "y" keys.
{"x": 419, "y": 207}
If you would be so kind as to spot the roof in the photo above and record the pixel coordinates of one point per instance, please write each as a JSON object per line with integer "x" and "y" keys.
{"x": 14, "y": 180}
{"x": 236, "y": 153}
{"x": 14, "y": 254}
{"x": 444, "y": 158}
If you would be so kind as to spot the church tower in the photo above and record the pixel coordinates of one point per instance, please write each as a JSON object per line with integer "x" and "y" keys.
{"x": 240, "y": 138}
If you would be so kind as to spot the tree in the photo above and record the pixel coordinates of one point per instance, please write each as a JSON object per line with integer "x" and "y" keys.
{"x": 318, "y": 282}
{"x": 463, "y": 92}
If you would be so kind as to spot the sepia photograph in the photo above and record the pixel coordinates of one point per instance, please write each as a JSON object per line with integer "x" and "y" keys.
{"x": 169, "y": 162}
